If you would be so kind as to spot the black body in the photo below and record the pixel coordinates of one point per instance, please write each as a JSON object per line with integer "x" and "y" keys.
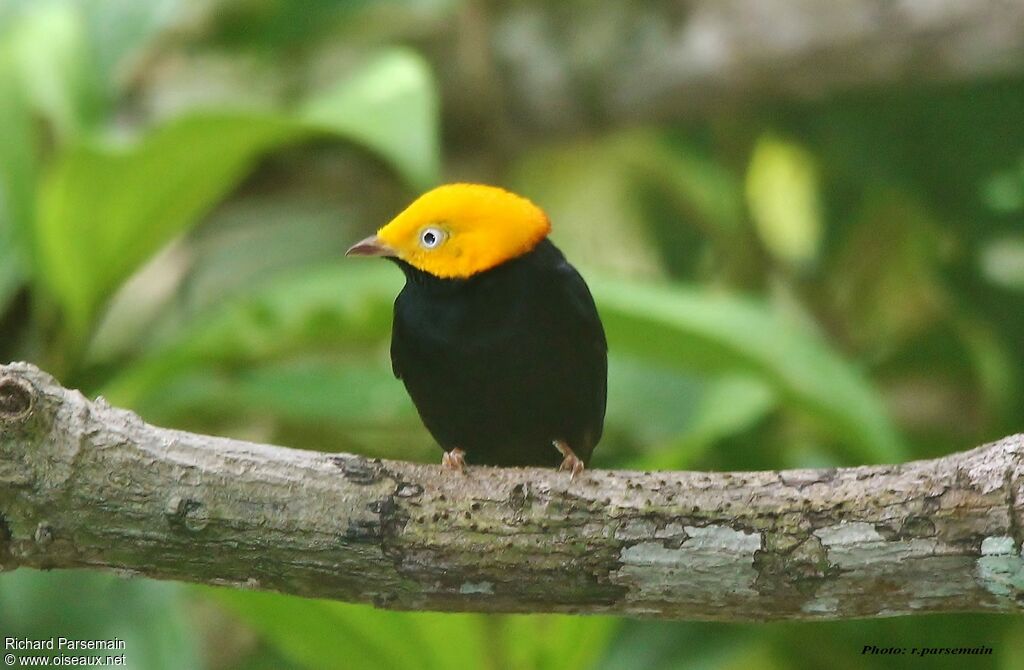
{"x": 506, "y": 361}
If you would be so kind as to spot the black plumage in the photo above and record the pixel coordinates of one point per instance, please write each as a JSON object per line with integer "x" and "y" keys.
{"x": 504, "y": 362}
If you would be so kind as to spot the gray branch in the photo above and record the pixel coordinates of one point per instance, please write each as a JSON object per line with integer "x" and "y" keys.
{"x": 85, "y": 485}
{"x": 565, "y": 66}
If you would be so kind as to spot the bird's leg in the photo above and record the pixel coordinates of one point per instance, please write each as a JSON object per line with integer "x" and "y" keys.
{"x": 454, "y": 460}
{"x": 571, "y": 462}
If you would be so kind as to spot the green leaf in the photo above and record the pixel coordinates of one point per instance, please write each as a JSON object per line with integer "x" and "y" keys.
{"x": 120, "y": 31}
{"x": 886, "y": 278}
{"x": 557, "y": 642}
{"x": 669, "y": 398}
{"x": 105, "y": 210}
{"x": 150, "y": 616}
{"x": 323, "y": 635}
{"x": 71, "y": 55}
{"x": 315, "y": 391}
{"x": 695, "y": 330}
{"x": 994, "y": 368}
{"x": 347, "y": 305}
{"x": 586, "y": 188}
{"x": 669, "y": 645}
{"x": 50, "y": 46}
{"x": 391, "y": 107}
{"x": 730, "y": 404}
{"x": 1002, "y": 261}
{"x": 782, "y": 193}
{"x": 335, "y": 306}
{"x": 298, "y": 353}
{"x": 701, "y": 187}
{"x": 17, "y": 178}
{"x": 10, "y": 274}
{"x": 1003, "y": 192}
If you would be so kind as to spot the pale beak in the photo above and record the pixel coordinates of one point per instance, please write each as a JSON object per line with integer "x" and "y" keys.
{"x": 371, "y": 246}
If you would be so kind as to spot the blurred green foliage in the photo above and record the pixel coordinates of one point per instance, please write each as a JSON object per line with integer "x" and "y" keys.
{"x": 789, "y": 285}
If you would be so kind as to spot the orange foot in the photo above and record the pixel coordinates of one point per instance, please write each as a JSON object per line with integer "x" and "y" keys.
{"x": 571, "y": 462}
{"x": 454, "y": 460}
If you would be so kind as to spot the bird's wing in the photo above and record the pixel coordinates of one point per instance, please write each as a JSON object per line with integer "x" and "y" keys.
{"x": 394, "y": 365}
{"x": 583, "y": 302}
{"x": 395, "y": 368}
{"x": 397, "y": 335}
{"x": 588, "y": 333}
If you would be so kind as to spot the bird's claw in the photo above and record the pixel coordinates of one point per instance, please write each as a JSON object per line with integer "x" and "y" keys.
{"x": 571, "y": 462}
{"x": 573, "y": 465}
{"x": 454, "y": 460}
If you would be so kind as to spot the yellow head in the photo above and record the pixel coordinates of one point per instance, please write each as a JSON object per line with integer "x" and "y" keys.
{"x": 458, "y": 230}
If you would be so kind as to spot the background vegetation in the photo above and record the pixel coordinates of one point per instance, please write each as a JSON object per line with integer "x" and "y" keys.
{"x": 784, "y": 284}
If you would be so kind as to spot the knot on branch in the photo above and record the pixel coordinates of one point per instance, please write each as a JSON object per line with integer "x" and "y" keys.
{"x": 187, "y": 513}
{"x": 17, "y": 398}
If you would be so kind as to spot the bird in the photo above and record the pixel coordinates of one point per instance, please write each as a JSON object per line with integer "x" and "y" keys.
{"x": 495, "y": 335}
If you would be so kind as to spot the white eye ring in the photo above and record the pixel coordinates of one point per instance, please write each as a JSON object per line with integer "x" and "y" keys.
{"x": 431, "y": 238}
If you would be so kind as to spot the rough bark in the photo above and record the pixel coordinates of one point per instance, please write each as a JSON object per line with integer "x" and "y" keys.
{"x": 83, "y": 484}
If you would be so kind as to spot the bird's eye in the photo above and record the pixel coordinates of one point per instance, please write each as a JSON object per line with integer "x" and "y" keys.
{"x": 431, "y": 238}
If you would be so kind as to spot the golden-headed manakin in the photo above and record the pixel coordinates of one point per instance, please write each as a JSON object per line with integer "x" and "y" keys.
{"x": 495, "y": 336}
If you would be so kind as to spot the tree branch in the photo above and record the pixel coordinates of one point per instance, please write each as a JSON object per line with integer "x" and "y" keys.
{"x": 563, "y": 68}
{"x": 83, "y": 484}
